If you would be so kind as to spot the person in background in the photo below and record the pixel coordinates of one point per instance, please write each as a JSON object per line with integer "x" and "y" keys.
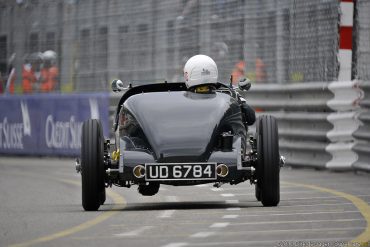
{"x": 261, "y": 75}
{"x": 31, "y": 73}
{"x": 49, "y": 72}
{"x": 238, "y": 72}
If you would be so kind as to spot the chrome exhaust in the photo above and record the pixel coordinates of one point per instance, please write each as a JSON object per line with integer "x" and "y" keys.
{"x": 222, "y": 170}
{"x": 139, "y": 171}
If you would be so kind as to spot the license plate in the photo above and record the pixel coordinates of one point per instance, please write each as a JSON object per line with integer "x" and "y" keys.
{"x": 180, "y": 171}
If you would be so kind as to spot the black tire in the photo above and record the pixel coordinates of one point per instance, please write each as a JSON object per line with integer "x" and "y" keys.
{"x": 102, "y": 197}
{"x": 148, "y": 190}
{"x": 268, "y": 167}
{"x": 93, "y": 185}
{"x": 258, "y": 192}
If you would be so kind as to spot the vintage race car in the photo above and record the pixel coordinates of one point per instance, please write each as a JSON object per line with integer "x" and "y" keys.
{"x": 166, "y": 134}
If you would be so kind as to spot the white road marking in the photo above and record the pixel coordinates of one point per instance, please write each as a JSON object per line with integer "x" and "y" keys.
{"x": 134, "y": 232}
{"x": 317, "y": 204}
{"x": 313, "y": 210}
{"x": 252, "y": 211}
{"x": 162, "y": 189}
{"x": 120, "y": 225}
{"x": 231, "y": 201}
{"x": 302, "y": 213}
{"x": 202, "y": 185}
{"x": 322, "y": 197}
{"x": 325, "y": 230}
{"x": 175, "y": 245}
{"x": 230, "y": 216}
{"x": 295, "y": 221}
{"x": 167, "y": 213}
{"x": 68, "y": 174}
{"x": 233, "y": 209}
{"x": 227, "y": 195}
{"x": 217, "y": 189}
{"x": 219, "y": 225}
{"x": 202, "y": 234}
{"x": 242, "y": 188}
{"x": 283, "y": 192}
{"x": 171, "y": 199}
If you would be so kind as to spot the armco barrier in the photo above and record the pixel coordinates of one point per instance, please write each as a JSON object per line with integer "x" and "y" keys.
{"x": 301, "y": 111}
{"x": 362, "y": 134}
{"x": 48, "y": 124}
{"x": 307, "y": 97}
{"x": 345, "y": 103}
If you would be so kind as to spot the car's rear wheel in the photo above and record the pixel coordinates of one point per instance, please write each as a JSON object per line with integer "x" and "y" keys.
{"x": 258, "y": 192}
{"x": 93, "y": 185}
{"x": 268, "y": 167}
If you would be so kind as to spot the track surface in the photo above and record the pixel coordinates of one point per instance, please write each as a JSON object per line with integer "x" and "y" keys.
{"x": 40, "y": 205}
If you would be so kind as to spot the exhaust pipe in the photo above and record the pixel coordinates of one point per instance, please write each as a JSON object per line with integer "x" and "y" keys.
{"x": 139, "y": 171}
{"x": 222, "y": 170}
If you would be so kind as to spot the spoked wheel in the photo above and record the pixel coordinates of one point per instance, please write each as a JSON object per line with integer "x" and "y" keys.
{"x": 268, "y": 167}
{"x": 93, "y": 172}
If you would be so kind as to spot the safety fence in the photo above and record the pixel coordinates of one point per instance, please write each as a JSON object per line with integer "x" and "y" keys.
{"x": 302, "y": 112}
{"x": 362, "y": 134}
{"x": 270, "y": 41}
{"x": 48, "y": 124}
{"x": 321, "y": 125}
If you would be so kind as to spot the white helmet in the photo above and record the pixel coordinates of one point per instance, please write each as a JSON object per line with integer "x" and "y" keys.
{"x": 200, "y": 69}
{"x": 50, "y": 56}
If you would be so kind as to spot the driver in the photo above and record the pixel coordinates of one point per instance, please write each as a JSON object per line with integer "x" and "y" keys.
{"x": 201, "y": 75}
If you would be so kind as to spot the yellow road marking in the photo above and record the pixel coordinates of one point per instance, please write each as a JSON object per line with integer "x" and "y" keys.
{"x": 120, "y": 203}
{"x": 362, "y": 206}
{"x": 118, "y": 200}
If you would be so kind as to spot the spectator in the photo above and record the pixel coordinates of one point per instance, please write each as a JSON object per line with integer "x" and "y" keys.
{"x": 260, "y": 71}
{"x": 31, "y": 73}
{"x": 49, "y": 72}
{"x": 238, "y": 72}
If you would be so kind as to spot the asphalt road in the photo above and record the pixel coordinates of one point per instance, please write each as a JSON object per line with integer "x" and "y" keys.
{"x": 40, "y": 205}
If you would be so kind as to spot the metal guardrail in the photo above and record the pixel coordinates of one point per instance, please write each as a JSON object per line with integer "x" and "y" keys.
{"x": 308, "y": 97}
{"x": 345, "y": 103}
{"x": 362, "y": 134}
{"x": 301, "y": 111}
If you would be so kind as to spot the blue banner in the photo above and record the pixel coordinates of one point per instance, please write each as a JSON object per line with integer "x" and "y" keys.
{"x": 49, "y": 124}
